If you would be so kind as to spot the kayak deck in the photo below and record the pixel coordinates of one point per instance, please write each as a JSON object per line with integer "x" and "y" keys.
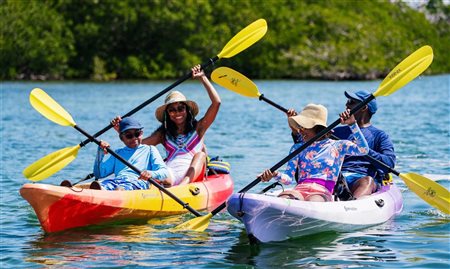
{"x": 269, "y": 218}
{"x": 60, "y": 208}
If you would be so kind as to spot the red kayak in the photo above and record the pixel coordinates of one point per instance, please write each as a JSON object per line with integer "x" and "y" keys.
{"x": 60, "y": 208}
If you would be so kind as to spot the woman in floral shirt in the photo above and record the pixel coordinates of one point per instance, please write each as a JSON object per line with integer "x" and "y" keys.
{"x": 319, "y": 164}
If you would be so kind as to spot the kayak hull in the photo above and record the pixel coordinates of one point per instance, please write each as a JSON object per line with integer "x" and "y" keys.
{"x": 268, "y": 218}
{"x": 61, "y": 208}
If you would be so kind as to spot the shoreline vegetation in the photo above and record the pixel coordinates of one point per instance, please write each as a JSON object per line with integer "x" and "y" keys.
{"x": 104, "y": 40}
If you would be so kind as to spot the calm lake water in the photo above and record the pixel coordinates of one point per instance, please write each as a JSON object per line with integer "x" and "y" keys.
{"x": 252, "y": 136}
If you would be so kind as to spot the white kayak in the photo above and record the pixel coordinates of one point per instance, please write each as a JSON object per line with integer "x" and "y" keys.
{"x": 269, "y": 218}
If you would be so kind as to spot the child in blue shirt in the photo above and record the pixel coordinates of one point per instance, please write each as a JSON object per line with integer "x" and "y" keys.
{"x": 145, "y": 158}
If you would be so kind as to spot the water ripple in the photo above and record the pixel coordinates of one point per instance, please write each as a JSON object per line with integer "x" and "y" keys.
{"x": 252, "y": 136}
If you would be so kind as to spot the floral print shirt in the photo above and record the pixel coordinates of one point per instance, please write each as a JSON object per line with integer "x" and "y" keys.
{"x": 323, "y": 159}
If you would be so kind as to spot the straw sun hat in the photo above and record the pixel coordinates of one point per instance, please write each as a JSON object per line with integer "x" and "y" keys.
{"x": 310, "y": 116}
{"x": 174, "y": 97}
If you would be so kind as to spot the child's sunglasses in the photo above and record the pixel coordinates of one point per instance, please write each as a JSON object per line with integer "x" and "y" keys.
{"x": 136, "y": 134}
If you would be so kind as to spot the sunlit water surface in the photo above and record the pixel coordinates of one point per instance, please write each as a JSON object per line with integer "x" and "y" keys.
{"x": 252, "y": 136}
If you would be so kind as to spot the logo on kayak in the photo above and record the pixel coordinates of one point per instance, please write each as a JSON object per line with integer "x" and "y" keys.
{"x": 430, "y": 192}
{"x": 347, "y": 208}
{"x": 149, "y": 195}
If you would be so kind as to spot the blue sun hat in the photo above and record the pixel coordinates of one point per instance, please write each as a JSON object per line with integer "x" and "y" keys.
{"x": 129, "y": 123}
{"x": 361, "y": 96}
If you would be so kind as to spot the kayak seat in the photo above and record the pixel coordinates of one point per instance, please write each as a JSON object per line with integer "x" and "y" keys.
{"x": 67, "y": 183}
{"x": 341, "y": 190}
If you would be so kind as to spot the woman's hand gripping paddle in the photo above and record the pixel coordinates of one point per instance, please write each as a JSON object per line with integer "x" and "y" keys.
{"x": 55, "y": 161}
{"x": 50, "y": 109}
{"x": 404, "y": 72}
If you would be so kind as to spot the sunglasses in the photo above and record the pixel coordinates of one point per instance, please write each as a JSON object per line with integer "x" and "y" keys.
{"x": 130, "y": 135}
{"x": 352, "y": 102}
{"x": 179, "y": 109}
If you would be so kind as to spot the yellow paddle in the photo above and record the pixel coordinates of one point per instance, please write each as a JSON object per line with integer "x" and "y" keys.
{"x": 54, "y": 162}
{"x": 50, "y": 109}
{"x": 431, "y": 192}
{"x": 238, "y": 83}
{"x": 404, "y": 72}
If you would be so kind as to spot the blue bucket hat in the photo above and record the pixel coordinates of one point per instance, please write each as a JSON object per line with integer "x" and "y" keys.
{"x": 361, "y": 96}
{"x": 129, "y": 123}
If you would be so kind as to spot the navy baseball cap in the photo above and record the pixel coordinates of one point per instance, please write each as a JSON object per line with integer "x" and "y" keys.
{"x": 129, "y": 123}
{"x": 361, "y": 96}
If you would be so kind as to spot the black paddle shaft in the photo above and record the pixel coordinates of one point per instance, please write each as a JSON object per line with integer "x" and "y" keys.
{"x": 309, "y": 142}
{"x": 161, "y": 188}
{"x": 156, "y": 96}
{"x": 297, "y": 151}
{"x": 367, "y": 157}
{"x": 263, "y": 98}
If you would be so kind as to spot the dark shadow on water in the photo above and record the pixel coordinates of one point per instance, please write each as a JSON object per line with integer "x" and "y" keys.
{"x": 277, "y": 254}
{"x": 365, "y": 248}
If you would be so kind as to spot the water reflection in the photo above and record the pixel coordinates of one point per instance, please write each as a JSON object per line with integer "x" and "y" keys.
{"x": 418, "y": 238}
{"x": 139, "y": 245}
{"x": 363, "y": 248}
{"x": 72, "y": 247}
{"x": 299, "y": 251}
{"x": 153, "y": 243}
{"x": 432, "y": 223}
{"x": 320, "y": 250}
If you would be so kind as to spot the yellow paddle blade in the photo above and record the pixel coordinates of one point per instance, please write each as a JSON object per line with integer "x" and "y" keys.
{"x": 235, "y": 81}
{"x": 49, "y": 108}
{"x": 244, "y": 39}
{"x": 405, "y": 71}
{"x": 198, "y": 224}
{"x": 431, "y": 192}
{"x": 50, "y": 164}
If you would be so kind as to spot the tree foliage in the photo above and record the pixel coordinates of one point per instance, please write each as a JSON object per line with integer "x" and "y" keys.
{"x": 159, "y": 39}
{"x": 35, "y": 41}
